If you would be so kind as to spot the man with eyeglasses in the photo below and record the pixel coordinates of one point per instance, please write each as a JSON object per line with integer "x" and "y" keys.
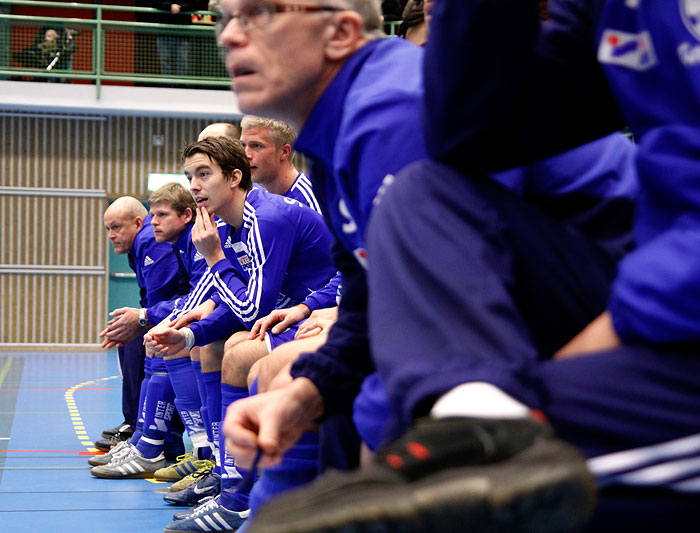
{"x": 325, "y": 69}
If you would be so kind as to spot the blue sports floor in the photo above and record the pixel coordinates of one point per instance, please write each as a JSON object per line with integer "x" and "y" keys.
{"x": 53, "y": 406}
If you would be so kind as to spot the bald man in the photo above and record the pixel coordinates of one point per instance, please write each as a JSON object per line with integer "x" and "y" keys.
{"x": 160, "y": 276}
{"x": 220, "y": 129}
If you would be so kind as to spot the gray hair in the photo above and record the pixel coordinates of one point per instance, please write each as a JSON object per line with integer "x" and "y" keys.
{"x": 369, "y": 10}
{"x": 281, "y": 132}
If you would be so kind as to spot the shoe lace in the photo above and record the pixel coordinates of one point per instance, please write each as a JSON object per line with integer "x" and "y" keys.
{"x": 208, "y": 504}
{"x": 185, "y": 457}
{"x": 202, "y": 471}
{"x": 128, "y": 455}
{"x": 118, "y": 449}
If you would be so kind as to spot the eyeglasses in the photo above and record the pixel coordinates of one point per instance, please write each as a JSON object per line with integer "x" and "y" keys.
{"x": 260, "y": 15}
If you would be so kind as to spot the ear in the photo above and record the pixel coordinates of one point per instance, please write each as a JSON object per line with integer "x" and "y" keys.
{"x": 139, "y": 222}
{"x": 285, "y": 152}
{"x": 188, "y": 215}
{"x": 346, "y": 36}
{"x": 236, "y": 177}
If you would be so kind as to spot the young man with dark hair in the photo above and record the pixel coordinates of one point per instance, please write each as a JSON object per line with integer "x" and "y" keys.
{"x": 270, "y": 252}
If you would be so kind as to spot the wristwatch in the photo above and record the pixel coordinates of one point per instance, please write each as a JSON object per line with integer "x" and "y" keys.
{"x": 143, "y": 321}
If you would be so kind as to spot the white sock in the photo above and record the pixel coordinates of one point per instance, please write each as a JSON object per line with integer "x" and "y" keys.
{"x": 481, "y": 400}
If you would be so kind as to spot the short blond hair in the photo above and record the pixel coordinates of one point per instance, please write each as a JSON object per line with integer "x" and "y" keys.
{"x": 176, "y": 196}
{"x": 281, "y": 132}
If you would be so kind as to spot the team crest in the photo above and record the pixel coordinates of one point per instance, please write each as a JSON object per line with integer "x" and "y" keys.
{"x": 630, "y": 50}
{"x": 690, "y": 13}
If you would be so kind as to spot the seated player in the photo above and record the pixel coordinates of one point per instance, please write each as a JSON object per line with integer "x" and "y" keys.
{"x": 275, "y": 251}
{"x": 159, "y": 277}
{"x": 172, "y": 211}
{"x": 623, "y": 386}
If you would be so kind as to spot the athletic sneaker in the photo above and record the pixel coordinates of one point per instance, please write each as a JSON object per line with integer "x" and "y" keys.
{"x": 181, "y": 515}
{"x": 110, "y": 442}
{"x": 130, "y": 465}
{"x": 186, "y": 464}
{"x": 205, "y": 486}
{"x": 121, "y": 428}
{"x": 186, "y": 481}
{"x": 120, "y": 449}
{"x": 209, "y": 517}
{"x": 463, "y": 474}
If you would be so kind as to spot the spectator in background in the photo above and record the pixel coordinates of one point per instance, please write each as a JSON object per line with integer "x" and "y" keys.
{"x": 413, "y": 27}
{"x": 391, "y": 12}
{"x": 173, "y": 48}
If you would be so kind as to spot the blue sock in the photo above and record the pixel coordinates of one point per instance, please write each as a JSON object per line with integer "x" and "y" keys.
{"x": 212, "y": 383}
{"x": 230, "y": 498}
{"x": 159, "y": 411}
{"x": 188, "y": 401}
{"x": 298, "y": 467}
{"x": 138, "y": 430}
{"x": 197, "y": 365}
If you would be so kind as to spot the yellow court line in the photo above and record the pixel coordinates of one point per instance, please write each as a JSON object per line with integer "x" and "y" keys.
{"x": 74, "y": 413}
{"x": 5, "y": 370}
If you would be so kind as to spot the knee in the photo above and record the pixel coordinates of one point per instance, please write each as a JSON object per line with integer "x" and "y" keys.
{"x": 254, "y": 370}
{"x": 234, "y": 340}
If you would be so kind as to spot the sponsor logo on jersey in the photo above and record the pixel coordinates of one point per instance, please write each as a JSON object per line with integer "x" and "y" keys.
{"x": 361, "y": 256}
{"x": 690, "y": 13}
{"x": 148, "y": 261}
{"x": 198, "y": 256}
{"x": 689, "y": 53}
{"x": 228, "y": 244}
{"x": 244, "y": 261}
{"x": 239, "y": 247}
{"x": 630, "y": 50}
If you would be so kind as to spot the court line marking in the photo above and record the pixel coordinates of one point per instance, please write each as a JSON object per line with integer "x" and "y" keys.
{"x": 75, "y": 417}
{"x": 5, "y": 370}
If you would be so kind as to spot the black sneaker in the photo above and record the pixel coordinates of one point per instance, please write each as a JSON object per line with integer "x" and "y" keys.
{"x": 457, "y": 474}
{"x": 121, "y": 428}
{"x": 107, "y": 444}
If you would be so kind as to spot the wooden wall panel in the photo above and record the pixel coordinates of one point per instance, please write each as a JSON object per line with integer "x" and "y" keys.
{"x": 57, "y": 175}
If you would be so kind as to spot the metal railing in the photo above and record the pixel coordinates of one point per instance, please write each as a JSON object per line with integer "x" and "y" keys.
{"x": 95, "y": 45}
{"x": 104, "y": 49}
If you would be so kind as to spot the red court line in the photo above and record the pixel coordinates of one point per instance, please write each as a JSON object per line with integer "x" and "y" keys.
{"x": 53, "y": 451}
{"x": 58, "y": 388}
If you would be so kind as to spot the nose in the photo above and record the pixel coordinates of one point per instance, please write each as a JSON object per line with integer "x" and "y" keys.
{"x": 232, "y": 35}
{"x": 248, "y": 153}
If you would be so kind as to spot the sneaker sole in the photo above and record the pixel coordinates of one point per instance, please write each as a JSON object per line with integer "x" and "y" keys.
{"x": 138, "y": 475}
{"x": 516, "y": 495}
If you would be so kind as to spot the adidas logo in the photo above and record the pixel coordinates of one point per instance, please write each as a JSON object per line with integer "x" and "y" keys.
{"x": 148, "y": 261}
{"x": 198, "y": 256}
{"x": 228, "y": 244}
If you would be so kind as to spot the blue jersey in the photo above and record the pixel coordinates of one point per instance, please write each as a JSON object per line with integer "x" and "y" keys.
{"x": 193, "y": 264}
{"x": 364, "y": 128}
{"x": 303, "y": 191}
{"x": 278, "y": 257}
{"x": 595, "y": 66}
{"x": 159, "y": 273}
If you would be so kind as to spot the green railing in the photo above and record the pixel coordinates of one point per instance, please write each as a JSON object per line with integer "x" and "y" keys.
{"x": 93, "y": 46}
{"x": 96, "y": 45}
